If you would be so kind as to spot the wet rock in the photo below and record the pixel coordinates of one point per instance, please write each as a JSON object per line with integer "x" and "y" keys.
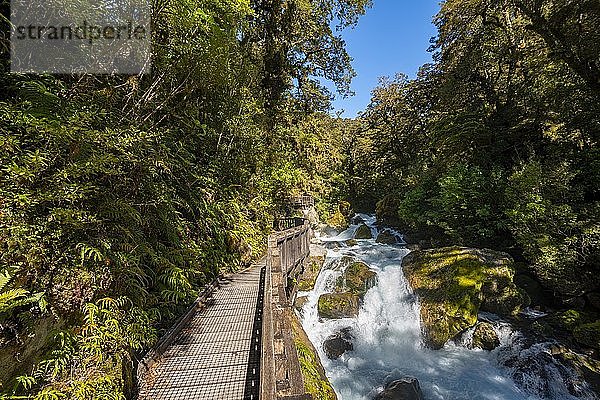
{"x": 549, "y": 371}
{"x": 351, "y": 242}
{"x": 357, "y": 279}
{"x": 586, "y": 368}
{"x": 588, "y": 334}
{"x": 485, "y": 337}
{"x": 338, "y": 343}
{"x": 338, "y": 305}
{"x": 387, "y": 237}
{"x": 454, "y": 283}
{"x": 338, "y": 221}
{"x": 357, "y": 220}
{"x": 402, "y": 389}
{"x": 363, "y": 232}
{"x": 300, "y": 302}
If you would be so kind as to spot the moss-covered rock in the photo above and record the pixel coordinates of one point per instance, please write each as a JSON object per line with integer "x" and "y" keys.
{"x": 587, "y": 368}
{"x": 351, "y": 242}
{"x": 311, "y": 272}
{"x": 357, "y": 279}
{"x": 568, "y": 320}
{"x": 338, "y": 305}
{"x": 313, "y": 375}
{"x": 363, "y": 232}
{"x": 338, "y": 222}
{"x": 485, "y": 337}
{"x": 386, "y": 237}
{"x": 588, "y": 334}
{"x": 453, "y": 283}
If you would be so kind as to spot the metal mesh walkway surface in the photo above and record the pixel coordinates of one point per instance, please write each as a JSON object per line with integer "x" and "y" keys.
{"x": 217, "y": 355}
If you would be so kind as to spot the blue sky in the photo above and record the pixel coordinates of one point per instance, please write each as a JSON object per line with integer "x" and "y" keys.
{"x": 392, "y": 37}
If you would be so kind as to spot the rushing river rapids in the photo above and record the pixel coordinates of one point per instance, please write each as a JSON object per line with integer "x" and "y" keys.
{"x": 387, "y": 343}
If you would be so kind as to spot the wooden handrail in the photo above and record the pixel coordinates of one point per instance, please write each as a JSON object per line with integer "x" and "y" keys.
{"x": 283, "y": 224}
{"x": 305, "y": 201}
{"x": 280, "y": 368}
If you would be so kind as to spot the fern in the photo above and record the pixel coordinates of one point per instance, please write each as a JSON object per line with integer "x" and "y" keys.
{"x": 14, "y": 297}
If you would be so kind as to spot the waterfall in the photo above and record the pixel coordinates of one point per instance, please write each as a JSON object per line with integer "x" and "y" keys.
{"x": 387, "y": 340}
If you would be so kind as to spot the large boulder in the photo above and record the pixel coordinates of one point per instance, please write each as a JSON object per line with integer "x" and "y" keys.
{"x": 454, "y": 283}
{"x": 338, "y": 343}
{"x": 549, "y": 370}
{"x": 568, "y": 320}
{"x": 485, "y": 337}
{"x": 338, "y": 222}
{"x": 363, "y": 232}
{"x": 354, "y": 282}
{"x": 588, "y": 334}
{"x": 387, "y": 237}
{"x": 357, "y": 279}
{"x": 402, "y": 389}
{"x": 338, "y": 305}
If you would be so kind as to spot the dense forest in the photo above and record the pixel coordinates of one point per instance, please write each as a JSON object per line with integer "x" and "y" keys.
{"x": 495, "y": 143}
{"x": 120, "y": 197}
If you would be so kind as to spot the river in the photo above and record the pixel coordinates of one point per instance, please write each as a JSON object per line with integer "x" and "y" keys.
{"x": 387, "y": 340}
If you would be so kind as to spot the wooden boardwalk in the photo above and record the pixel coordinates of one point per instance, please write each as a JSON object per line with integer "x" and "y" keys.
{"x": 217, "y": 354}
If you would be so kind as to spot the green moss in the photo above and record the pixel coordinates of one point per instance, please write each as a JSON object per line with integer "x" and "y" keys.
{"x": 314, "y": 379}
{"x": 588, "y": 334}
{"x": 309, "y": 277}
{"x": 568, "y": 320}
{"x": 356, "y": 279}
{"x": 454, "y": 283}
{"x": 338, "y": 305}
{"x": 338, "y": 221}
{"x": 314, "y": 383}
